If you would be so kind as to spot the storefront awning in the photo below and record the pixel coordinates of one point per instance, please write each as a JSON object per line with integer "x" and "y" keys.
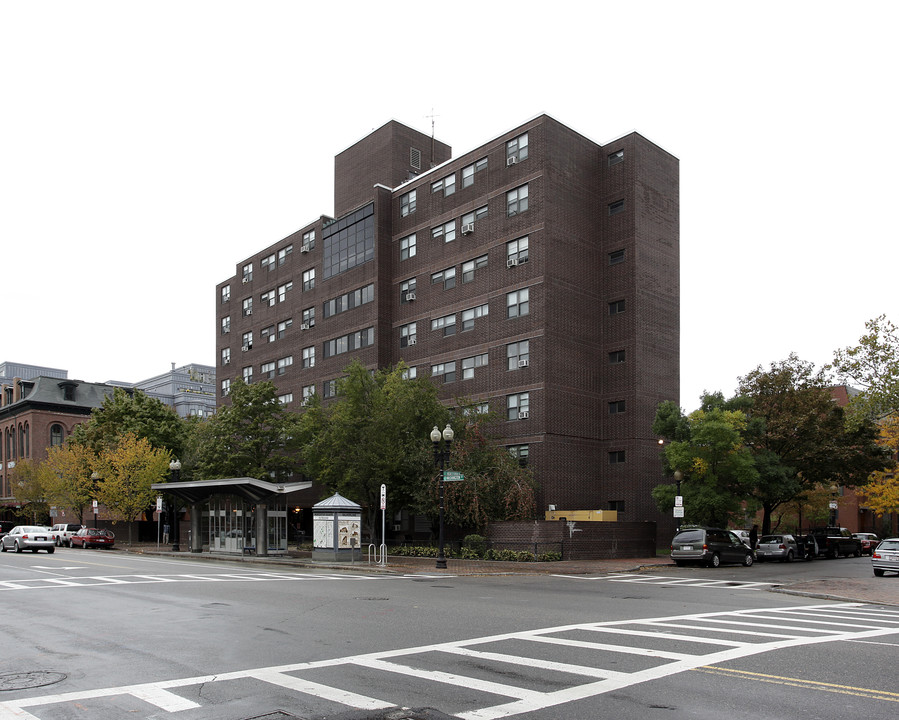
{"x": 247, "y": 488}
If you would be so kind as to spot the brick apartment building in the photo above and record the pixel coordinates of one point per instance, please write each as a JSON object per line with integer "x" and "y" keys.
{"x": 537, "y": 275}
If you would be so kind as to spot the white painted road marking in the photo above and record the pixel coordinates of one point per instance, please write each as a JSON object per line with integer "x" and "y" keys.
{"x": 800, "y": 625}
{"x": 666, "y": 581}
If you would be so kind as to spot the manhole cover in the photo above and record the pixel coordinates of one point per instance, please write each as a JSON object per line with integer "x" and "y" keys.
{"x": 32, "y": 679}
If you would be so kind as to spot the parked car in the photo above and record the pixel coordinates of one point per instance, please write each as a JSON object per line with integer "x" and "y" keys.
{"x": 778, "y": 547}
{"x": 835, "y": 541}
{"x": 744, "y": 536}
{"x": 91, "y": 537}
{"x": 6, "y": 526}
{"x": 709, "y": 546}
{"x": 886, "y": 557}
{"x": 27, "y": 537}
{"x": 62, "y": 533}
{"x": 868, "y": 540}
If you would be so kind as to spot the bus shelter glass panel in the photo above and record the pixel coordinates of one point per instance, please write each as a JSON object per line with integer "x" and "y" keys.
{"x": 232, "y": 524}
{"x": 277, "y": 526}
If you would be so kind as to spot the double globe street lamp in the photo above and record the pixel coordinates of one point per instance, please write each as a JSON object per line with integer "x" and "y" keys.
{"x": 441, "y": 457}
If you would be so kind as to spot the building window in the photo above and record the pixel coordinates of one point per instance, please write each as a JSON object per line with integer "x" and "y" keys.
{"x": 268, "y": 262}
{"x": 616, "y": 457}
{"x": 476, "y": 409}
{"x": 347, "y": 343}
{"x": 616, "y": 257}
{"x": 226, "y": 356}
{"x": 616, "y": 307}
{"x": 472, "y": 314}
{"x": 445, "y": 185}
{"x": 445, "y": 371}
{"x": 479, "y": 214}
{"x": 247, "y": 272}
{"x": 520, "y": 454}
{"x": 517, "y": 148}
{"x": 518, "y": 406}
{"x": 348, "y": 242}
{"x": 407, "y": 247}
{"x": 517, "y": 200}
{"x": 247, "y": 341}
{"x": 616, "y": 357}
{"x": 284, "y": 253}
{"x": 267, "y": 334}
{"x": 447, "y": 232}
{"x": 309, "y": 318}
{"x": 447, "y": 323}
{"x": 284, "y": 363}
{"x": 468, "y": 172}
{"x": 447, "y": 277}
{"x": 469, "y": 365}
{"x": 410, "y": 373}
{"x": 226, "y": 388}
{"x": 616, "y": 157}
{"x": 518, "y": 303}
{"x": 226, "y": 294}
{"x": 284, "y": 326}
{"x": 248, "y": 374}
{"x": 267, "y": 370}
{"x": 309, "y": 357}
{"x": 407, "y": 290}
{"x": 56, "y": 435}
{"x": 248, "y": 306}
{"x": 308, "y": 392}
{"x": 407, "y": 203}
{"x": 268, "y": 298}
{"x": 308, "y": 279}
{"x": 517, "y": 251}
{"x": 329, "y": 388}
{"x": 616, "y": 207}
{"x": 350, "y": 300}
{"x": 309, "y": 240}
{"x": 518, "y": 354}
{"x": 408, "y": 335}
{"x": 616, "y": 407}
{"x": 469, "y": 267}
{"x": 286, "y": 398}
{"x": 226, "y": 325}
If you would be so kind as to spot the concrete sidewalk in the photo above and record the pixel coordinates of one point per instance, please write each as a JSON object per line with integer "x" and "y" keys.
{"x": 882, "y": 590}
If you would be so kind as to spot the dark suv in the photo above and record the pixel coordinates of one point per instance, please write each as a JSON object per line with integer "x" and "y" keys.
{"x": 709, "y": 546}
{"x": 6, "y": 526}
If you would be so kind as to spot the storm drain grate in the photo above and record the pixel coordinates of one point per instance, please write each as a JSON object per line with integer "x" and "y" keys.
{"x": 31, "y": 679}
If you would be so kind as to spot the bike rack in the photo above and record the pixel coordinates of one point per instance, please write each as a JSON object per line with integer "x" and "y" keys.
{"x": 379, "y": 553}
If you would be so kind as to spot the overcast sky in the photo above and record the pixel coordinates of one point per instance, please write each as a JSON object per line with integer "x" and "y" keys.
{"x": 148, "y": 147}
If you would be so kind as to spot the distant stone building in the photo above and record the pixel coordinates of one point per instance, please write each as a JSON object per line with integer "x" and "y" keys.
{"x": 189, "y": 389}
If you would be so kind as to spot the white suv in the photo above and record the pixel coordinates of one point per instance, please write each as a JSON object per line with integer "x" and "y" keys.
{"x": 62, "y": 534}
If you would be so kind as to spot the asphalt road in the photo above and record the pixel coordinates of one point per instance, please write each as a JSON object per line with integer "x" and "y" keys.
{"x": 94, "y": 634}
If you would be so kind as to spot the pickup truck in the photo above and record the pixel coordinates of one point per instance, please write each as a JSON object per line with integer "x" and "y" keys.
{"x": 835, "y": 541}
{"x": 62, "y": 533}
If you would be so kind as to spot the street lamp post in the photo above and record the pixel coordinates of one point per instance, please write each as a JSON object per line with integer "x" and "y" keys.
{"x": 175, "y": 469}
{"x": 441, "y": 456}
{"x": 95, "y": 480}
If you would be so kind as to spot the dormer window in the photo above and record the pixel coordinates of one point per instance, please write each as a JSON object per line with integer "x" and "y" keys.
{"x": 68, "y": 390}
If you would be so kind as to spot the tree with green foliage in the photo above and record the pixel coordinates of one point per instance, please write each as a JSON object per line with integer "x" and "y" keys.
{"x": 800, "y": 438}
{"x": 71, "y": 484}
{"x": 496, "y": 487}
{"x": 132, "y": 412}
{"x": 127, "y": 470}
{"x": 376, "y": 432}
{"x": 254, "y": 436}
{"x": 872, "y": 366}
{"x": 707, "y": 447}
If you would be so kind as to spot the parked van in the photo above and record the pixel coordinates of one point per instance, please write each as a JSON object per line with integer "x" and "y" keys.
{"x": 709, "y": 546}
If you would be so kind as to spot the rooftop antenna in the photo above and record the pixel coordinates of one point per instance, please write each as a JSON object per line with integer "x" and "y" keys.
{"x": 432, "y": 116}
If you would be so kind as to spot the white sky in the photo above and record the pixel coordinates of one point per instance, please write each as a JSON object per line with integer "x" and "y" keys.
{"x": 148, "y": 147}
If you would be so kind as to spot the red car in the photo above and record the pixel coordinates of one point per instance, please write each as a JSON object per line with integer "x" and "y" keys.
{"x": 91, "y": 537}
{"x": 869, "y": 542}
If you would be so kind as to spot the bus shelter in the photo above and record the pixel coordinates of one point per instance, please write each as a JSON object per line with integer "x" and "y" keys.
{"x": 236, "y": 515}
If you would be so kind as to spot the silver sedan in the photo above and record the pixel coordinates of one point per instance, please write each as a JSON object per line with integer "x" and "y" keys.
{"x": 886, "y": 557}
{"x": 27, "y": 537}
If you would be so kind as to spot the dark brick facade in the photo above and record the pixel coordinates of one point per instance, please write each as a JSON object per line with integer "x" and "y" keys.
{"x": 577, "y": 540}
{"x": 600, "y": 232}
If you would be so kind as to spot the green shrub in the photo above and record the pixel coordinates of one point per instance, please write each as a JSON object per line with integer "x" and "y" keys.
{"x": 550, "y": 556}
{"x": 477, "y": 544}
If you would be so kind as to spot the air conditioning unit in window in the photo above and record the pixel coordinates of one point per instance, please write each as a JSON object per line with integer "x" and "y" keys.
{"x": 523, "y": 414}
{"x": 245, "y": 280}
{"x": 511, "y": 262}
{"x": 226, "y": 330}
{"x": 305, "y": 248}
{"x": 248, "y": 312}
{"x": 468, "y": 228}
{"x": 413, "y": 341}
{"x": 410, "y": 296}
{"x": 226, "y": 361}
{"x": 397, "y": 528}
{"x": 524, "y": 362}
{"x": 511, "y": 160}
{"x": 245, "y": 347}
{"x": 305, "y": 326}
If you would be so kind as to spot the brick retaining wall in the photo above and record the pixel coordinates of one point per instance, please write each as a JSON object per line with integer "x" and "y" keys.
{"x": 577, "y": 540}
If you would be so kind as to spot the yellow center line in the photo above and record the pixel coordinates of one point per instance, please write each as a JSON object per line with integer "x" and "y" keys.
{"x": 799, "y": 682}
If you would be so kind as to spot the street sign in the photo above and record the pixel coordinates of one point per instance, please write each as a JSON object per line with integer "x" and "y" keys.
{"x": 679, "y": 511}
{"x": 383, "y": 497}
{"x": 452, "y": 476}
{"x": 678, "y": 501}
{"x": 159, "y": 503}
